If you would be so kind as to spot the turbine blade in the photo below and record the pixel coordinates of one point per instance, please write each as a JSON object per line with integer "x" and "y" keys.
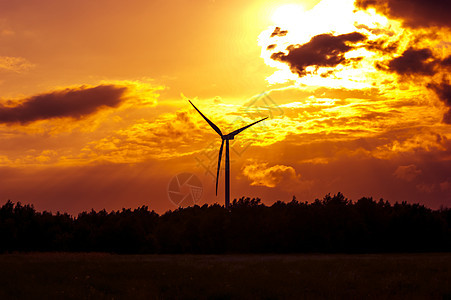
{"x": 208, "y": 121}
{"x": 219, "y": 165}
{"x": 233, "y": 133}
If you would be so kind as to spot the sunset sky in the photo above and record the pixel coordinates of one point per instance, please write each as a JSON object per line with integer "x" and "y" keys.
{"x": 94, "y": 109}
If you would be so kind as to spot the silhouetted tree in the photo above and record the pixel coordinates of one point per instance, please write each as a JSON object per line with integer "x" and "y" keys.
{"x": 331, "y": 224}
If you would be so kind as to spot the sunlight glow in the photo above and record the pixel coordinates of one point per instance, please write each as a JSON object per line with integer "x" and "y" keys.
{"x": 287, "y": 14}
{"x": 327, "y": 17}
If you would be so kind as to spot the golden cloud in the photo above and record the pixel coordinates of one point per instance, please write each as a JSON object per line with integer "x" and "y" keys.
{"x": 261, "y": 174}
{"x": 15, "y": 64}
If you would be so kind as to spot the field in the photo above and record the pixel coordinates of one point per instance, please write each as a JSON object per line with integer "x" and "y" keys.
{"x": 338, "y": 276}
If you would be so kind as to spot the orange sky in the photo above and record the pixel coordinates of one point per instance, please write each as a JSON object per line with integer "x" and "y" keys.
{"x": 94, "y": 110}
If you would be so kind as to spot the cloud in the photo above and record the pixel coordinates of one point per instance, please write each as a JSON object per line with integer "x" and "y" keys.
{"x": 407, "y": 173}
{"x": 15, "y": 64}
{"x": 411, "y": 62}
{"x": 382, "y": 45}
{"x": 422, "y": 62}
{"x": 262, "y": 175}
{"x": 278, "y": 32}
{"x": 324, "y": 50}
{"x": 69, "y": 103}
{"x": 375, "y": 31}
{"x": 168, "y": 136}
{"x": 447, "y": 62}
{"x": 270, "y": 47}
{"x": 413, "y": 13}
{"x": 380, "y": 166}
{"x": 443, "y": 91}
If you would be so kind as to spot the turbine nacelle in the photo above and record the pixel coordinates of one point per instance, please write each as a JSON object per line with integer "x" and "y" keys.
{"x": 228, "y": 137}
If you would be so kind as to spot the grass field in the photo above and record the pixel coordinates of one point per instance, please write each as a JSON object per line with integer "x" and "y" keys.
{"x": 107, "y": 276}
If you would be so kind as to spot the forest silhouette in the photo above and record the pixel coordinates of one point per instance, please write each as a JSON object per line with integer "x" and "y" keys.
{"x": 333, "y": 224}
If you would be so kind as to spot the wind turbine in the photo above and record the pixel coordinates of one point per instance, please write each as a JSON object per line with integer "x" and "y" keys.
{"x": 226, "y": 138}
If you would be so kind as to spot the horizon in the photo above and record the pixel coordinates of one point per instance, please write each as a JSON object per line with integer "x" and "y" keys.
{"x": 232, "y": 202}
{"x": 94, "y": 111}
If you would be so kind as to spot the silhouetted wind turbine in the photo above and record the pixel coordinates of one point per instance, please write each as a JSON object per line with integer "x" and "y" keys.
{"x": 225, "y": 138}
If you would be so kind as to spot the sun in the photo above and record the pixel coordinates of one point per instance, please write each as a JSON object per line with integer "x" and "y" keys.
{"x": 287, "y": 14}
{"x": 294, "y": 24}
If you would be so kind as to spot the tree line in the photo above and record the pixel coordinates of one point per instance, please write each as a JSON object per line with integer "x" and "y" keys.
{"x": 332, "y": 224}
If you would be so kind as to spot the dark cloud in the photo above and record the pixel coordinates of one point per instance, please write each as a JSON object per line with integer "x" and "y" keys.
{"x": 411, "y": 62}
{"x": 74, "y": 103}
{"x": 382, "y": 46}
{"x": 414, "y": 13}
{"x": 278, "y": 32}
{"x": 327, "y": 74}
{"x": 446, "y": 62}
{"x": 443, "y": 91}
{"x": 324, "y": 50}
{"x": 270, "y": 47}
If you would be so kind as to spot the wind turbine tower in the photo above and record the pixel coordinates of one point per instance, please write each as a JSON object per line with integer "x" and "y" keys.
{"x": 226, "y": 138}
